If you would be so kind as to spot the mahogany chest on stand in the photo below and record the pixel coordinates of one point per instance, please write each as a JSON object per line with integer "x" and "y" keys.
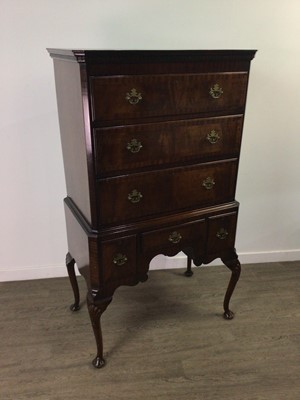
{"x": 151, "y": 144}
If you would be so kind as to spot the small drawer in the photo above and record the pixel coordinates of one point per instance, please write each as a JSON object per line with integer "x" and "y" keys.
{"x": 127, "y": 97}
{"x": 118, "y": 258}
{"x": 145, "y": 194}
{"x": 176, "y": 237}
{"x": 144, "y": 145}
{"x": 221, "y": 232}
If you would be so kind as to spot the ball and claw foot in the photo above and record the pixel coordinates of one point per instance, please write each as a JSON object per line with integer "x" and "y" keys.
{"x": 74, "y": 307}
{"x": 228, "y": 314}
{"x": 98, "y": 362}
{"x": 188, "y": 272}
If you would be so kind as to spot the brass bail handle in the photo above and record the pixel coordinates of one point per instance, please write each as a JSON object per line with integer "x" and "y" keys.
{"x": 222, "y": 233}
{"x": 208, "y": 183}
{"x": 120, "y": 259}
{"x": 133, "y": 96}
{"x": 213, "y": 136}
{"x": 216, "y": 91}
{"x": 134, "y": 146}
{"x": 175, "y": 237}
{"x": 135, "y": 196}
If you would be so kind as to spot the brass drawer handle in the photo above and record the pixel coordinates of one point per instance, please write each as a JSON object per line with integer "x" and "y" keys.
{"x": 133, "y": 96}
{"x": 216, "y": 91}
{"x": 222, "y": 234}
{"x": 119, "y": 259}
{"x": 208, "y": 183}
{"x": 134, "y": 146}
{"x": 175, "y": 237}
{"x": 213, "y": 137}
{"x": 135, "y": 196}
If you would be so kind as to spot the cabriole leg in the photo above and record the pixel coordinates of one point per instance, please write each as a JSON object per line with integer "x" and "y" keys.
{"x": 96, "y": 309}
{"x": 71, "y": 272}
{"x": 234, "y": 265}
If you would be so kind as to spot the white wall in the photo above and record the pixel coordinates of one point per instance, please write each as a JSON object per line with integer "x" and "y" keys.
{"x": 32, "y": 234}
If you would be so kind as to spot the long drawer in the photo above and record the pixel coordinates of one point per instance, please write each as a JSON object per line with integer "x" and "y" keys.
{"x": 137, "y": 96}
{"x": 131, "y": 197}
{"x": 137, "y": 146}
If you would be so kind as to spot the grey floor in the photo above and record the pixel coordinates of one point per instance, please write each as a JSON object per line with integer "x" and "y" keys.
{"x": 164, "y": 339}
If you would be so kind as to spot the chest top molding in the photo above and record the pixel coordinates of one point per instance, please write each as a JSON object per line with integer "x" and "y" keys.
{"x": 104, "y": 56}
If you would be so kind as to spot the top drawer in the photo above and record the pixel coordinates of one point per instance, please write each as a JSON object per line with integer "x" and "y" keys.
{"x": 140, "y": 96}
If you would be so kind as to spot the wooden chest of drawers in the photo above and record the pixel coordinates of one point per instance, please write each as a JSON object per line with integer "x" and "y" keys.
{"x": 151, "y": 143}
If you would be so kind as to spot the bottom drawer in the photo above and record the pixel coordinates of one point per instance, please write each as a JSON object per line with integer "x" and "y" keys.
{"x": 118, "y": 258}
{"x": 140, "y": 195}
{"x": 221, "y": 232}
{"x": 175, "y": 237}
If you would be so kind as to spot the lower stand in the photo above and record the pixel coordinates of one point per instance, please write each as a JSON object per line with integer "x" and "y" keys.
{"x": 97, "y": 307}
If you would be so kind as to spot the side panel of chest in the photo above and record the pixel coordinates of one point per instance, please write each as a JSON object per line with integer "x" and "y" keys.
{"x": 72, "y": 129}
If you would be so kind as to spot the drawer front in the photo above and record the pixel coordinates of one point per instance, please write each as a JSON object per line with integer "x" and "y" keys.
{"x": 118, "y": 258}
{"x": 133, "y": 147}
{"x": 134, "y": 196}
{"x": 138, "y": 96}
{"x": 221, "y": 232}
{"x": 175, "y": 238}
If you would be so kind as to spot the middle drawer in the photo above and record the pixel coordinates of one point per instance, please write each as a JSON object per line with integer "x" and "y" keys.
{"x": 176, "y": 237}
{"x": 137, "y": 146}
{"x": 130, "y": 197}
